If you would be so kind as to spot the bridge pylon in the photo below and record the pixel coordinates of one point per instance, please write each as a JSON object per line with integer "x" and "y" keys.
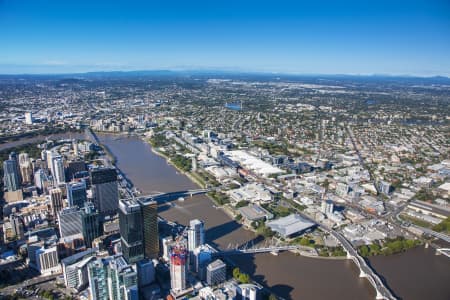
{"x": 380, "y": 296}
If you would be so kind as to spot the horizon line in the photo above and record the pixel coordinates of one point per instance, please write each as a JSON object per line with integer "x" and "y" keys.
{"x": 225, "y": 70}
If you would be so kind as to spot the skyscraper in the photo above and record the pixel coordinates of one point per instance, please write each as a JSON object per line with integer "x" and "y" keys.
{"x": 196, "y": 234}
{"x": 13, "y": 156}
{"x": 122, "y": 279}
{"x": 150, "y": 226}
{"x": 69, "y": 221}
{"x": 17, "y": 226}
{"x": 76, "y": 193}
{"x": 39, "y": 179}
{"x": 131, "y": 231}
{"x": 91, "y": 225}
{"x": 97, "y": 275}
{"x": 56, "y": 201}
{"x": 111, "y": 278}
{"x": 139, "y": 229}
{"x": 10, "y": 175}
{"x": 26, "y": 169}
{"x": 178, "y": 258}
{"x": 105, "y": 190}
{"x": 59, "y": 176}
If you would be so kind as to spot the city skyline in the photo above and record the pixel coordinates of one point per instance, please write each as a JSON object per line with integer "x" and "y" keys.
{"x": 410, "y": 38}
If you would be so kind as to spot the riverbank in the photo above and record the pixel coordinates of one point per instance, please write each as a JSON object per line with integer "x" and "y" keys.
{"x": 168, "y": 160}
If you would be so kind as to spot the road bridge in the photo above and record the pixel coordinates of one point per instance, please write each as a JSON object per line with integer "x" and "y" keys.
{"x": 444, "y": 251}
{"x": 382, "y": 292}
{"x": 365, "y": 270}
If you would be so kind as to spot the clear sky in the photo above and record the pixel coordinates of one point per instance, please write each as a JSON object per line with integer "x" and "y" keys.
{"x": 347, "y": 37}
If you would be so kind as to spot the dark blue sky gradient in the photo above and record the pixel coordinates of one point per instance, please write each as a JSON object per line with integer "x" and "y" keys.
{"x": 353, "y": 37}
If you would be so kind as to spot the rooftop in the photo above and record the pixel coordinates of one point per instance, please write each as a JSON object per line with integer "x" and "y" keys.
{"x": 290, "y": 225}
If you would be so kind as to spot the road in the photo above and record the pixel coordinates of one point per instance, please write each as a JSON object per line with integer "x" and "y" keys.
{"x": 12, "y": 288}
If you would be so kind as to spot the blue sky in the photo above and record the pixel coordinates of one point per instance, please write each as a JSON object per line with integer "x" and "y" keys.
{"x": 328, "y": 37}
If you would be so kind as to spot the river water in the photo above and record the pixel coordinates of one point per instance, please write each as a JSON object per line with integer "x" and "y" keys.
{"x": 417, "y": 274}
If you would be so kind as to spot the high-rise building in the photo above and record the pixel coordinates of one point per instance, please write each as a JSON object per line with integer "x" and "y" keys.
{"x": 105, "y": 190}
{"x": 11, "y": 175}
{"x": 146, "y": 272}
{"x": 75, "y": 147}
{"x": 216, "y": 272}
{"x": 26, "y": 168}
{"x": 59, "y": 175}
{"x": 111, "y": 278}
{"x": 90, "y": 222}
{"x": 39, "y": 179}
{"x": 122, "y": 279}
{"x": 13, "y": 156}
{"x": 56, "y": 201}
{"x": 98, "y": 279}
{"x": 327, "y": 207}
{"x": 76, "y": 193}
{"x": 139, "y": 229}
{"x": 201, "y": 257}
{"x": 150, "y": 227}
{"x": 131, "y": 231}
{"x": 75, "y": 167}
{"x": 248, "y": 291}
{"x": 75, "y": 269}
{"x": 16, "y": 227}
{"x": 178, "y": 259}
{"x": 166, "y": 244}
{"x": 47, "y": 261}
{"x": 69, "y": 220}
{"x": 49, "y": 159}
{"x": 196, "y": 234}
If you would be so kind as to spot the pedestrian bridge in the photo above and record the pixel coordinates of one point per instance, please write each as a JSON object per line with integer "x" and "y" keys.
{"x": 274, "y": 249}
{"x": 170, "y": 196}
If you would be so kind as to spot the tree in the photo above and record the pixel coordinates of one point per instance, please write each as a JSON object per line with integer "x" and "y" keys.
{"x": 244, "y": 278}
{"x": 273, "y": 297}
{"x": 236, "y": 273}
{"x": 304, "y": 241}
{"x": 364, "y": 251}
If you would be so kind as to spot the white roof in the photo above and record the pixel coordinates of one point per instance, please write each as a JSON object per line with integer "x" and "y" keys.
{"x": 445, "y": 186}
{"x": 289, "y": 225}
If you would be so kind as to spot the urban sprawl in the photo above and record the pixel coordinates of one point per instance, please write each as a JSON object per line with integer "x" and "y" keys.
{"x": 324, "y": 167}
